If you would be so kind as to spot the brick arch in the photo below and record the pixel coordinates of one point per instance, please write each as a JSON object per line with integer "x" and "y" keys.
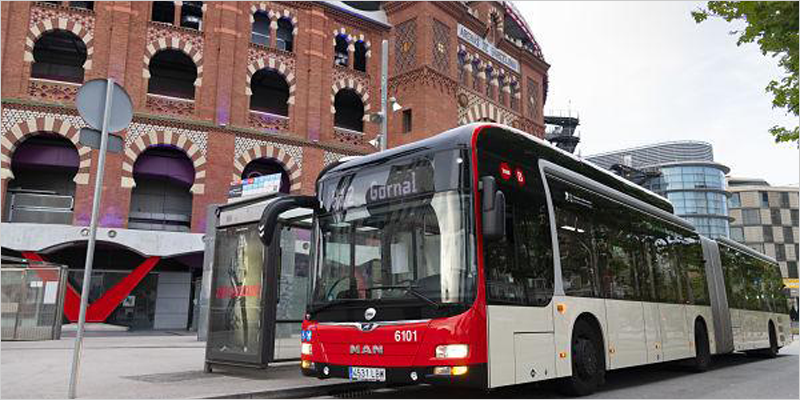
{"x": 274, "y": 16}
{"x": 277, "y": 66}
{"x": 178, "y": 140}
{"x": 349, "y": 83}
{"x": 35, "y": 32}
{"x": 484, "y": 110}
{"x": 352, "y": 39}
{"x": 174, "y": 43}
{"x": 18, "y": 133}
{"x": 272, "y": 153}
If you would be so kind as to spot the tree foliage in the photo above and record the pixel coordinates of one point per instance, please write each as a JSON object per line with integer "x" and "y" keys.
{"x": 773, "y": 25}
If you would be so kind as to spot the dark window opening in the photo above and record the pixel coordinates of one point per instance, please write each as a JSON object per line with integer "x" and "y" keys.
{"x": 43, "y": 189}
{"x": 340, "y": 51}
{"x": 767, "y": 233}
{"x": 59, "y": 55}
{"x": 87, "y": 5}
{"x": 791, "y": 267}
{"x": 163, "y": 11}
{"x": 360, "y": 56}
{"x": 285, "y": 38}
{"x": 263, "y": 167}
{"x": 270, "y": 92}
{"x": 764, "y": 199}
{"x": 172, "y": 73}
{"x": 785, "y": 200}
{"x": 161, "y": 199}
{"x": 349, "y": 110}
{"x": 192, "y": 15}
{"x": 407, "y": 121}
{"x": 260, "y": 34}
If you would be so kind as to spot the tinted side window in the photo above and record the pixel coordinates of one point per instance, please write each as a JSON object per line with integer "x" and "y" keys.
{"x": 734, "y": 281}
{"x": 519, "y": 267}
{"x": 580, "y": 272}
{"x": 694, "y": 271}
{"x": 665, "y": 273}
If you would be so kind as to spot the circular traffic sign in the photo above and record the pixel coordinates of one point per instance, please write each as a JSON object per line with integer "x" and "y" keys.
{"x": 91, "y": 104}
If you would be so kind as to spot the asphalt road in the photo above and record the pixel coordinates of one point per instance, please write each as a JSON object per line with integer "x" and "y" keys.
{"x": 731, "y": 376}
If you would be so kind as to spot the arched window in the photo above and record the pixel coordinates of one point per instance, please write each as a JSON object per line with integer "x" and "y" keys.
{"x": 349, "y": 110}
{"x": 161, "y": 199}
{"x": 172, "y": 73}
{"x": 192, "y": 14}
{"x": 260, "y": 34}
{"x": 340, "y": 56}
{"x": 42, "y": 190}
{"x": 87, "y": 5}
{"x": 285, "y": 38}
{"x": 360, "y": 56}
{"x": 163, "y": 11}
{"x": 264, "y": 167}
{"x": 270, "y": 92}
{"x": 59, "y": 55}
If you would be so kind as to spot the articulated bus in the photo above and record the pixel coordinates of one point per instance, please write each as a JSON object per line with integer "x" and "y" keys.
{"x": 486, "y": 257}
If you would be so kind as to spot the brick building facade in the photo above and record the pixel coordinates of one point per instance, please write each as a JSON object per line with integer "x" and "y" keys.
{"x": 228, "y": 90}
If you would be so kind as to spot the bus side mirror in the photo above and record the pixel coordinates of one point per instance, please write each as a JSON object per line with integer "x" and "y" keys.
{"x": 493, "y": 209}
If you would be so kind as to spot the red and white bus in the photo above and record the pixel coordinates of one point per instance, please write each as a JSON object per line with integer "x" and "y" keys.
{"x": 484, "y": 256}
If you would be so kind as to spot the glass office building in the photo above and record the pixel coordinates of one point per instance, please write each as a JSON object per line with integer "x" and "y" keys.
{"x": 697, "y": 191}
{"x": 685, "y": 173}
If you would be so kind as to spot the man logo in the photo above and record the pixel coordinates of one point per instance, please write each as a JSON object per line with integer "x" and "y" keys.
{"x": 366, "y": 349}
{"x": 370, "y": 314}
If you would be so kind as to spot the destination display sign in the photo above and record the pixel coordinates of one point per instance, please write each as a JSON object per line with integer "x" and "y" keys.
{"x": 489, "y": 49}
{"x": 380, "y": 185}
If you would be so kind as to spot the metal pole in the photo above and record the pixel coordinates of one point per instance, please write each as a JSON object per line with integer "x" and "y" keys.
{"x": 87, "y": 269}
{"x": 384, "y": 94}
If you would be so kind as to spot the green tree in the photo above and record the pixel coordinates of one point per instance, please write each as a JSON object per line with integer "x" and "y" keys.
{"x": 774, "y": 26}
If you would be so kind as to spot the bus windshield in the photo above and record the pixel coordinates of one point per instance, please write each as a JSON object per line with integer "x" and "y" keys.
{"x": 400, "y": 240}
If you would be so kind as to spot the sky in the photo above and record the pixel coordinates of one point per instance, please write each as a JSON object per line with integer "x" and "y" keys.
{"x": 644, "y": 72}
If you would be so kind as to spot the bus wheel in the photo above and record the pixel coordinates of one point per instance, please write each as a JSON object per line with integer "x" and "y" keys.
{"x": 588, "y": 369}
{"x": 772, "y": 351}
{"x": 702, "y": 358}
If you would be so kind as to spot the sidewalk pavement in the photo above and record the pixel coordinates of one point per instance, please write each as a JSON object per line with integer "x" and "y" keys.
{"x": 141, "y": 366}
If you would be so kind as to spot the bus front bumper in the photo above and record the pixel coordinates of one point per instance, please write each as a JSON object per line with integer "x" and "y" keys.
{"x": 470, "y": 375}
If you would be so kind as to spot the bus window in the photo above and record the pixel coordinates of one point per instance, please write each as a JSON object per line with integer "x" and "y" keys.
{"x": 519, "y": 267}
{"x": 665, "y": 273}
{"x": 694, "y": 271}
{"x": 577, "y": 246}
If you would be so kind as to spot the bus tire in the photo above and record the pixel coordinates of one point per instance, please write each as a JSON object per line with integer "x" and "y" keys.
{"x": 772, "y": 350}
{"x": 588, "y": 366}
{"x": 702, "y": 358}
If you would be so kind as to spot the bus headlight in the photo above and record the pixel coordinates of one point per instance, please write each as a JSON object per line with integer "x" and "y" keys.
{"x": 452, "y": 351}
{"x": 305, "y": 349}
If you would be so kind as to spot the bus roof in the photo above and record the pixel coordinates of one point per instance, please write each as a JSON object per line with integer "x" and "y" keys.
{"x": 462, "y": 136}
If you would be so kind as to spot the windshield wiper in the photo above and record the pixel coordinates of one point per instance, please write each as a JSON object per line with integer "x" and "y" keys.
{"x": 409, "y": 289}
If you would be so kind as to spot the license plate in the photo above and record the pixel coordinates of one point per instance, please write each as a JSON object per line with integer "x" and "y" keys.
{"x": 368, "y": 374}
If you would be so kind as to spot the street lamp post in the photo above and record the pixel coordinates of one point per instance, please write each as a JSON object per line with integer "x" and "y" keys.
{"x": 384, "y": 88}
{"x": 381, "y": 117}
